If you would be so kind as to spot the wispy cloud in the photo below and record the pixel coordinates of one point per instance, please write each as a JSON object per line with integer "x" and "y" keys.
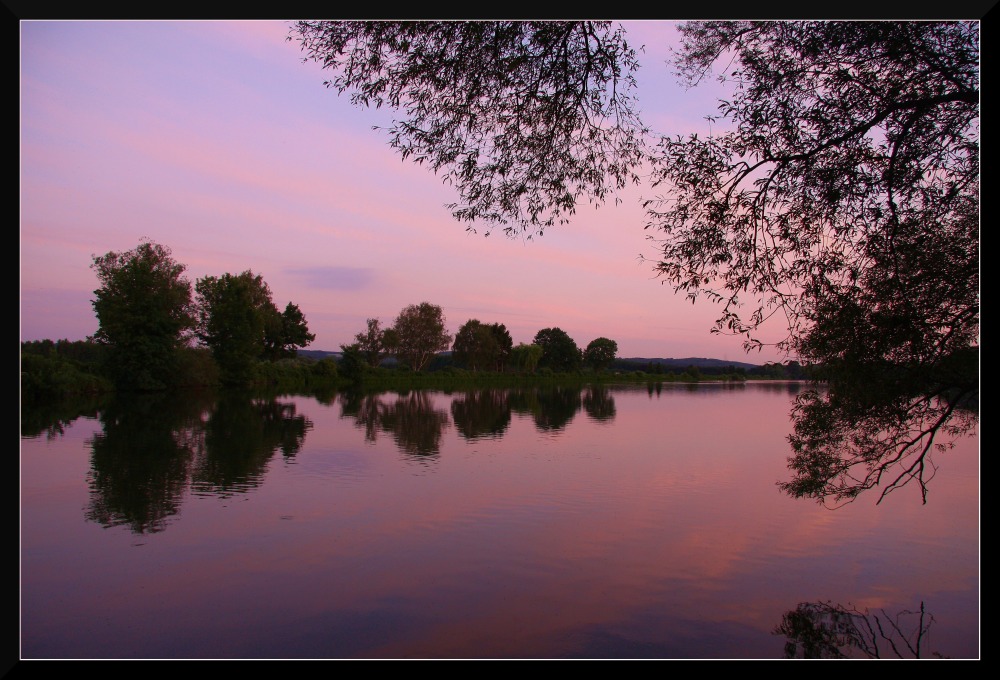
{"x": 336, "y": 278}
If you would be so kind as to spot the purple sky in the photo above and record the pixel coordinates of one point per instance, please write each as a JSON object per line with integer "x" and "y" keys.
{"x": 216, "y": 140}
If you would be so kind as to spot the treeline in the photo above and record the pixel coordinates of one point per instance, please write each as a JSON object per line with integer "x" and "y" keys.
{"x": 418, "y": 336}
{"x": 157, "y": 331}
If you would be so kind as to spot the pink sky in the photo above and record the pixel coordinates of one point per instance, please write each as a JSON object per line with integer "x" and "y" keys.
{"x": 216, "y": 140}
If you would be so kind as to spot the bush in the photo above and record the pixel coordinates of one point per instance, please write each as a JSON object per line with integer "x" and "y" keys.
{"x": 53, "y": 375}
{"x": 325, "y": 369}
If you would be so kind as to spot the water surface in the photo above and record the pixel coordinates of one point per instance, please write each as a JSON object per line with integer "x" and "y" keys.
{"x": 565, "y": 523}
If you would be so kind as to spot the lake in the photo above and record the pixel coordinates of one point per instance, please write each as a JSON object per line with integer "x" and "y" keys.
{"x": 632, "y": 522}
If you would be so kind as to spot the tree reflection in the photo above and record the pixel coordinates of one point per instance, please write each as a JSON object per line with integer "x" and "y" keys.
{"x": 140, "y": 462}
{"x": 551, "y": 408}
{"x": 822, "y": 630}
{"x": 241, "y": 436}
{"x": 599, "y": 404}
{"x": 412, "y": 420}
{"x": 51, "y": 417}
{"x": 482, "y": 413}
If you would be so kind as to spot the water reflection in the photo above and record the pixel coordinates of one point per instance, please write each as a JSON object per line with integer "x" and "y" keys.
{"x": 482, "y": 414}
{"x": 823, "y": 630}
{"x": 52, "y": 417}
{"x": 153, "y": 447}
{"x": 599, "y": 403}
{"x": 412, "y": 419}
{"x": 645, "y": 528}
{"x": 241, "y": 435}
{"x": 141, "y": 459}
{"x": 551, "y": 409}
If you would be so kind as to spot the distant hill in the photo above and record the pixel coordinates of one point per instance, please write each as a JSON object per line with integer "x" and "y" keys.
{"x": 700, "y": 362}
{"x": 318, "y": 354}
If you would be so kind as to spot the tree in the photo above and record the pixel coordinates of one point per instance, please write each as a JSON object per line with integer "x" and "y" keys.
{"x": 353, "y": 363}
{"x": 475, "y": 346}
{"x": 524, "y": 118}
{"x": 145, "y": 315}
{"x": 376, "y": 343}
{"x": 600, "y": 353}
{"x": 526, "y": 357}
{"x": 559, "y": 351}
{"x": 845, "y": 199}
{"x": 421, "y": 332}
{"x": 284, "y": 333}
{"x": 841, "y": 195}
{"x": 239, "y": 322}
{"x": 505, "y": 345}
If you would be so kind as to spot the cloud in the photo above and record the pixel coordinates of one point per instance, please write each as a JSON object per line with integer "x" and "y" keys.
{"x": 336, "y": 278}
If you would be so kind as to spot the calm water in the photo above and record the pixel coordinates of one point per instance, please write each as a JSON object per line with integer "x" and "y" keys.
{"x": 494, "y": 524}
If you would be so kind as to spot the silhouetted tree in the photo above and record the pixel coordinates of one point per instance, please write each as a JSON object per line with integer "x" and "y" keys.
{"x": 559, "y": 351}
{"x": 842, "y": 194}
{"x": 376, "y": 343}
{"x": 144, "y": 313}
{"x": 475, "y": 345}
{"x": 525, "y": 119}
{"x": 600, "y": 353}
{"x": 526, "y": 357}
{"x": 505, "y": 345}
{"x": 421, "y": 332}
{"x": 239, "y": 322}
{"x": 284, "y": 333}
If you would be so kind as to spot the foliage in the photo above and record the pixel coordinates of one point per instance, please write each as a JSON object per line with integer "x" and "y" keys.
{"x": 600, "y": 353}
{"x": 144, "y": 312}
{"x": 233, "y": 311}
{"x": 476, "y": 346}
{"x": 196, "y": 368}
{"x": 239, "y": 322}
{"x": 559, "y": 351}
{"x": 325, "y": 369}
{"x": 838, "y": 193}
{"x": 845, "y": 198}
{"x": 353, "y": 363}
{"x": 44, "y": 376}
{"x": 421, "y": 332}
{"x": 525, "y": 119}
{"x": 526, "y": 357}
{"x": 823, "y": 630}
{"x": 376, "y": 343}
{"x": 285, "y": 332}
{"x": 504, "y": 345}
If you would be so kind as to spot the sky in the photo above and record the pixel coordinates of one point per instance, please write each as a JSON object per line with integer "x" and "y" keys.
{"x": 215, "y": 139}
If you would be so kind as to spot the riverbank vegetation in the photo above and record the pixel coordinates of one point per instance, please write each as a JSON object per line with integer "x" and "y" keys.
{"x": 153, "y": 335}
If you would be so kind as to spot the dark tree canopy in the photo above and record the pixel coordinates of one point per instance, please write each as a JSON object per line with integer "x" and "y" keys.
{"x": 421, "y": 334}
{"x": 525, "y": 119}
{"x": 482, "y": 346}
{"x": 144, "y": 312}
{"x": 240, "y": 323}
{"x": 600, "y": 353}
{"x": 559, "y": 351}
{"x": 844, "y": 199}
{"x": 839, "y": 200}
{"x": 284, "y": 333}
{"x": 526, "y": 357}
{"x": 233, "y": 311}
{"x": 475, "y": 346}
{"x": 376, "y": 343}
{"x": 505, "y": 345}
